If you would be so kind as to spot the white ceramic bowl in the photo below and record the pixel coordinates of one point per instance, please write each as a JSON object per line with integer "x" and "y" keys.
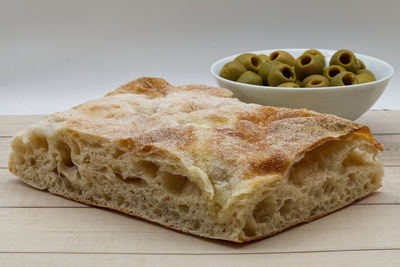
{"x": 349, "y": 102}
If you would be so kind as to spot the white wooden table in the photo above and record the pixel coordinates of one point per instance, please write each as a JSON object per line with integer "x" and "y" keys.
{"x": 39, "y": 229}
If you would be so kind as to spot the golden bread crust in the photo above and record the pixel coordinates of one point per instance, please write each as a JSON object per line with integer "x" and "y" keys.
{"x": 203, "y": 124}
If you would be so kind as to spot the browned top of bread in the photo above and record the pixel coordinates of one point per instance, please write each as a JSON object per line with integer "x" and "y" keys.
{"x": 207, "y": 123}
{"x": 203, "y": 126}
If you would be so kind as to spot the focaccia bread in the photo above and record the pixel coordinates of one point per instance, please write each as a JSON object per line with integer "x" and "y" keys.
{"x": 196, "y": 160}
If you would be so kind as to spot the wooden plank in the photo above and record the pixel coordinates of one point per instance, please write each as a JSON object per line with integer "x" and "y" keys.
{"x": 391, "y": 155}
{"x": 76, "y": 230}
{"x": 15, "y": 193}
{"x": 5, "y": 149}
{"x": 382, "y": 121}
{"x": 389, "y": 193}
{"x": 12, "y": 124}
{"x": 386, "y": 258}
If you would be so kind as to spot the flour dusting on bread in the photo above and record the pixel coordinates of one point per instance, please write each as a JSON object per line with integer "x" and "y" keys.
{"x": 197, "y": 160}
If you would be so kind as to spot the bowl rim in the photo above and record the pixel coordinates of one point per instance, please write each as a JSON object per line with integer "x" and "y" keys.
{"x": 262, "y": 87}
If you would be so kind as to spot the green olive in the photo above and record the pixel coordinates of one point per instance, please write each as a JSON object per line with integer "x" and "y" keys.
{"x": 365, "y": 78}
{"x": 307, "y": 65}
{"x": 360, "y": 64}
{"x": 346, "y": 59}
{"x": 264, "y": 58}
{"x": 289, "y": 84}
{"x": 317, "y": 54}
{"x": 299, "y": 83}
{"x": 264, "y": 70}
{"x": 344, "y": 78}
{"x": 281, "y": 73}
{"x": 232, "y": 70}
{"x": 250, "y": 61}
{"x": 365, "y": 71}
{"x": 315, "y": 80}
{"x": 250, "y": 78}
{"x": 282, "y": 56}
{"x": 332, "y": 71}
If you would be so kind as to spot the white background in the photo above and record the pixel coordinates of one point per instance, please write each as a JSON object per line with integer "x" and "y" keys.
{"x": 56, "y": 54}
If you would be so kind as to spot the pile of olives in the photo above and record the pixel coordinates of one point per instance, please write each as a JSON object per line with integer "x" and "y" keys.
{"x": 309, "y": 70}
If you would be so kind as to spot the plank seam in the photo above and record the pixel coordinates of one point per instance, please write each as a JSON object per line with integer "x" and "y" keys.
{"x": 376, "y": 204}
{"x": 204, "y": 254}
{"x": 380, "y": 134}
{"x": 46, "y": 207}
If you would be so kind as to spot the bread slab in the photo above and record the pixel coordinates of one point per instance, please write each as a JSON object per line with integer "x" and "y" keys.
{"x": 194, "y": 159}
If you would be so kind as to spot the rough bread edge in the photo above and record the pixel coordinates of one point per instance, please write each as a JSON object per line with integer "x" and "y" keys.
{"x": 237, "y": 241}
